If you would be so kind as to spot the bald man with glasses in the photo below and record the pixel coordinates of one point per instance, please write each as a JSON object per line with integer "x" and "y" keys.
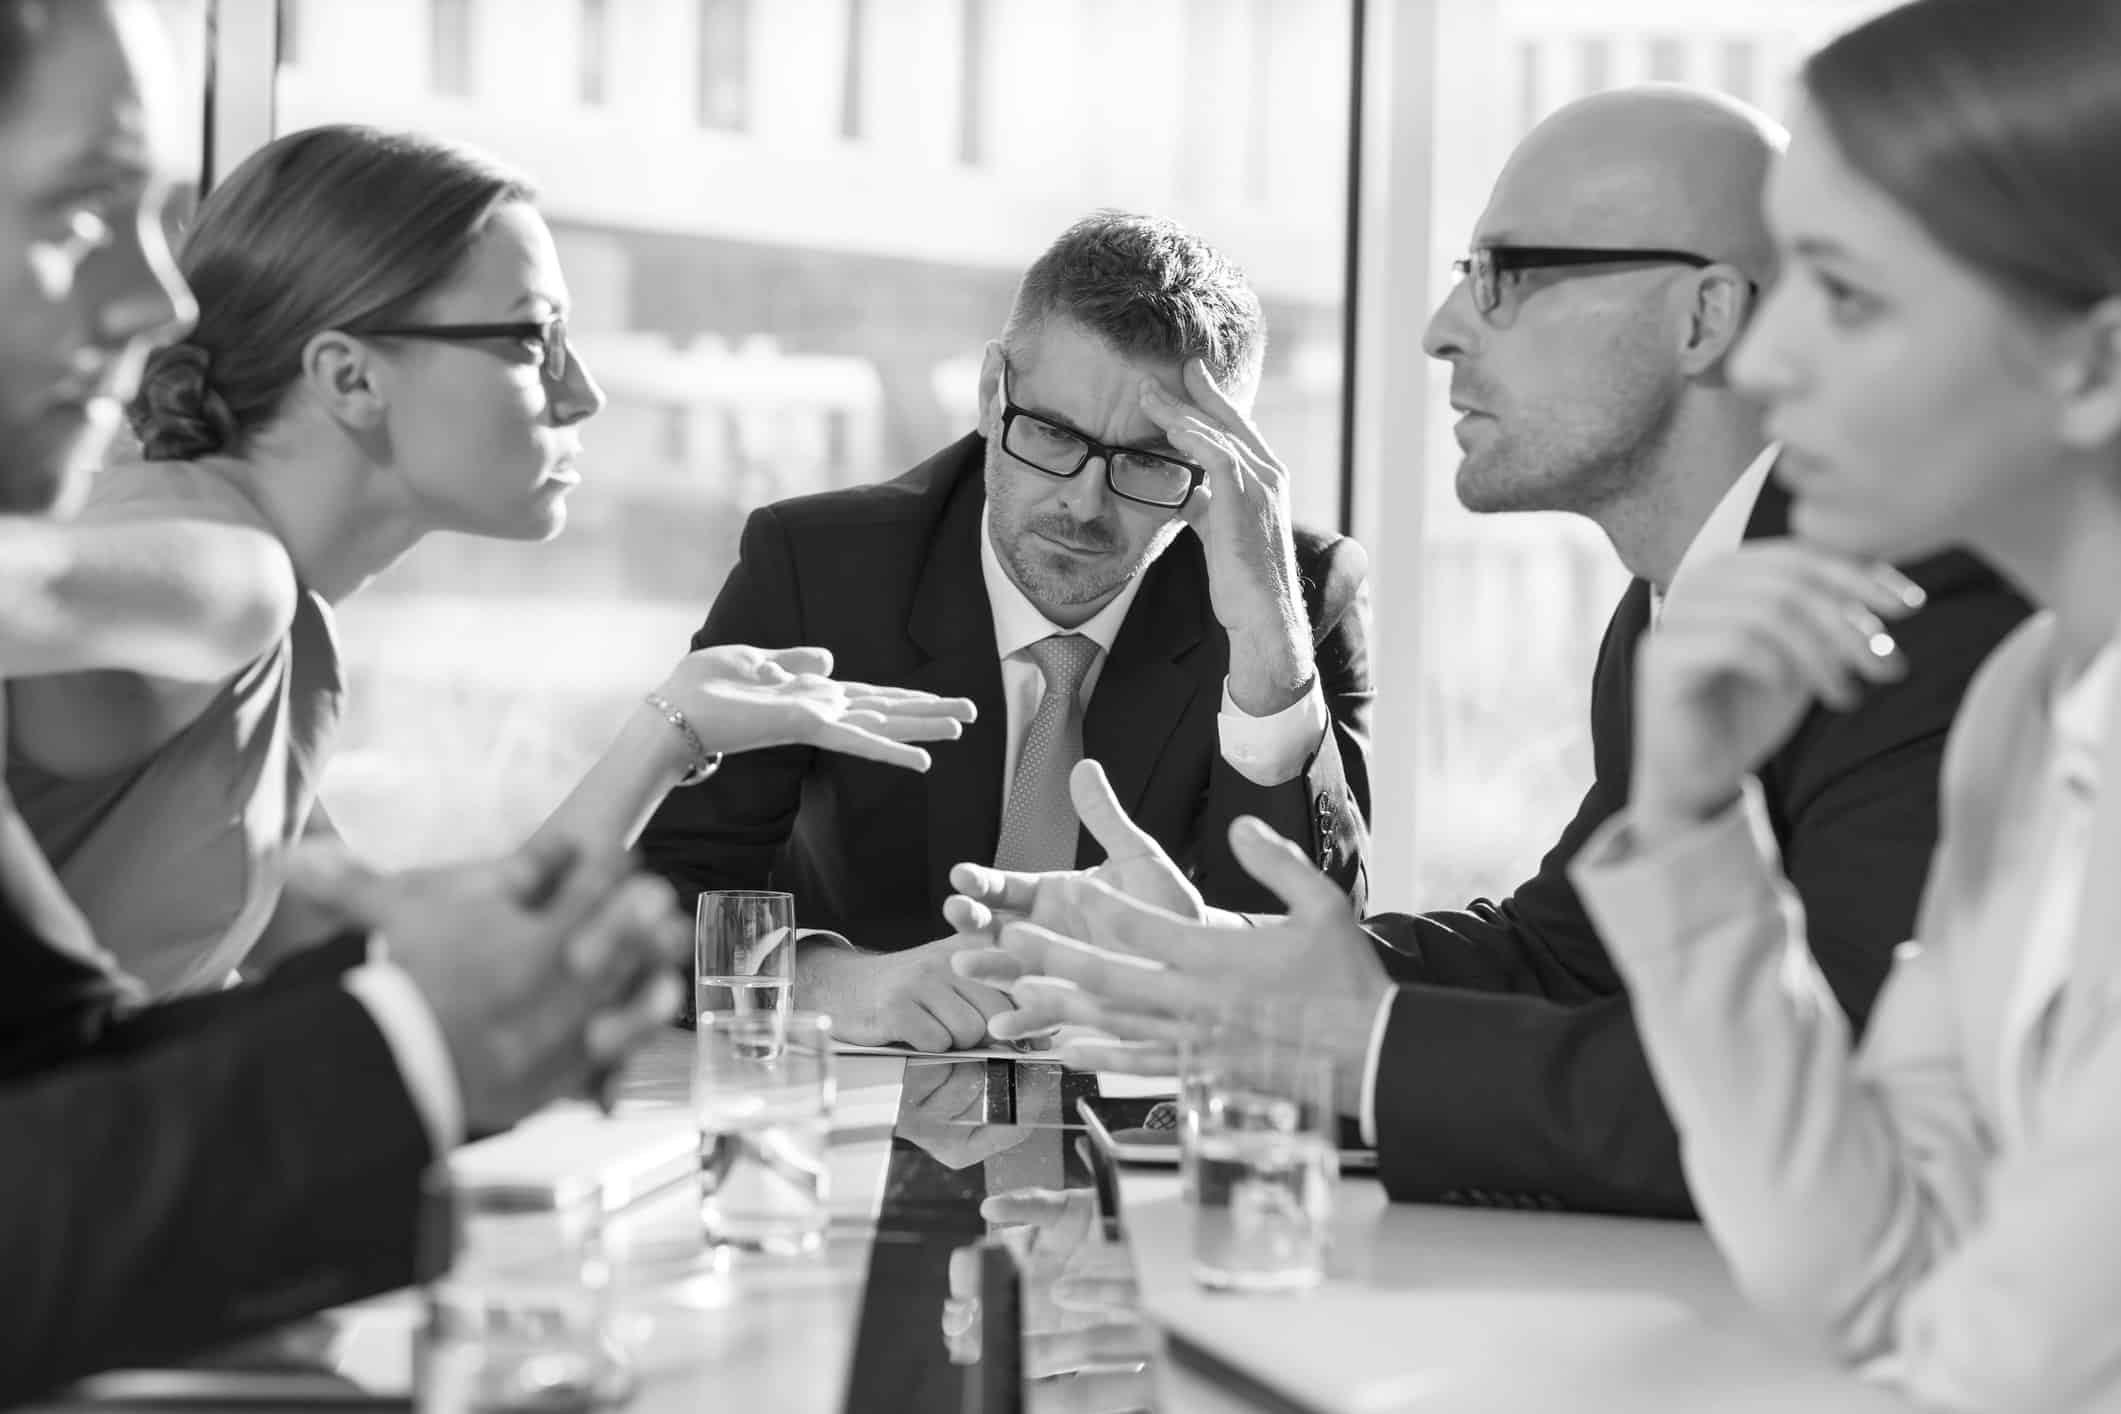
{"x": 1488, "y": 1052}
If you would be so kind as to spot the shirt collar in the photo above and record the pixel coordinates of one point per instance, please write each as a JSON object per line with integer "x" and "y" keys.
{"x": 1724, "y": 530}
{"x": 1017, "y": 621}
{"x": 2080, "y": 710}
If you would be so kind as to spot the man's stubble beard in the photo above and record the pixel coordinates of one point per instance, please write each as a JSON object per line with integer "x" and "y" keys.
{"x": 1585, "y": 488}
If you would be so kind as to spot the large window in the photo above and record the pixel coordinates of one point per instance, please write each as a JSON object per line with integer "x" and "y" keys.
{"x": 774, "y": 308}
{"x": 791, "y": 229}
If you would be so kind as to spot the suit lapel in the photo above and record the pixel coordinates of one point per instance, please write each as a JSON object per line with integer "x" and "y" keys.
{"x": 953, "y": 624}
{"x": 1771, "y": 512}
{"x": 1144, "y": 690}
{"x": 1613, "y": 687}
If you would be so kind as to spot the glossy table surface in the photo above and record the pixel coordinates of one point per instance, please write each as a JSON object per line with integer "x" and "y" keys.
{"x": 935, "y": 1162}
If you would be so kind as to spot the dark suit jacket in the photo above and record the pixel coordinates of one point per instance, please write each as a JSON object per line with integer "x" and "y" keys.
{"x": 888, "y": 578}
{"x": 192, "y": 1173}
{"x": 1511, "y": 1073}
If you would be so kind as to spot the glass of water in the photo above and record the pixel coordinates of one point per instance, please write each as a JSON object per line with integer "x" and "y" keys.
{"x": 743, "y": 951}
{"x": 1264, "y": 1162}
{"x": 763, "y": 1093}
{"x": 519, "y": 1316}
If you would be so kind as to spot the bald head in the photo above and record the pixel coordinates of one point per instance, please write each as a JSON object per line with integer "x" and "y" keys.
{"x": 1658, "y": 165}
{"x": 1601, "y": 385}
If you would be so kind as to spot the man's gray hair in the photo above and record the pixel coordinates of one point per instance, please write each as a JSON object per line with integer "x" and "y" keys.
{"x": 1149, "y": 288}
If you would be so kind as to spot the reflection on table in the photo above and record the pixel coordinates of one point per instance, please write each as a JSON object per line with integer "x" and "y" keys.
{"x": 936, "y": 1165}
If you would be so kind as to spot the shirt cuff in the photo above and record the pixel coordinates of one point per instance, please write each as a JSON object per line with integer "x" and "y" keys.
{"x": 1271, "y": 751}
{"x": 1371, "y": 1060}
{"x": 416, "y": 1042}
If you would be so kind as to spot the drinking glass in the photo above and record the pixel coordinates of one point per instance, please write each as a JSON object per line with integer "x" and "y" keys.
{"x": 1264, "y": 1162}
{"x": 1198, "y": 1052}
{"x": 763, "y": 1093}
{"x": 519, "y": 1317}
{"x": 743, "y": 951}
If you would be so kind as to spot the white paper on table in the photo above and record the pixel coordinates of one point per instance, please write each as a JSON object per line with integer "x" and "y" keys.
{"x": 867, "y": 1113}
{"x": 970, "y": 1053}
{"x": 1114, "y": 1085}
{"x": 1061, "y": 1035}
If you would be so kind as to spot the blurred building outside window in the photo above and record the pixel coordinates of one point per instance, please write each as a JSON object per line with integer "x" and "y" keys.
{"x": 786, "y": 244}
{"x": 972, "y": 81}
{"x": 449, "y": 45}
{"x": 1740, "y": 75}
{"x": 1668, "y": 59}
{"x": 854, "y": 58}
{"x": 724, "y": 65}
{"x": 594, "y": 77}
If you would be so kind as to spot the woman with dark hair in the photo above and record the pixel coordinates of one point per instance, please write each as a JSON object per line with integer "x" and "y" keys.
{"x": 381, "y": 352}
{"x": 1943, "y": 361}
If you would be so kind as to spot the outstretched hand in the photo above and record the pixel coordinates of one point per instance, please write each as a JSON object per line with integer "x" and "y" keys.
{"x": 1146, "y": 976}
{"x": 1135, "y": 865}
{"x": 740, "y": 698}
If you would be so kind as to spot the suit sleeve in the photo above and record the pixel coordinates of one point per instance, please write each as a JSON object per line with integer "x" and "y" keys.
{"x": 725, "y": 832}
{"x": 1326, "y": 809}
{"x": 1512, "y": 1066}
{"x": 259, "y": 1163}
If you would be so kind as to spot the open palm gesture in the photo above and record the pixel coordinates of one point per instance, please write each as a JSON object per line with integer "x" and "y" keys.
{"x": 742, "y": 699}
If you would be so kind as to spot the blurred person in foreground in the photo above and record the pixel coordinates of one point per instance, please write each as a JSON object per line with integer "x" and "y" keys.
{"x": 380, "y": 353}
{"x": 1944, "y": 362}
{"x": 1490, "y": 1053}
{"x": 1107, "y": 567}
{"x": 177, "y": 1175}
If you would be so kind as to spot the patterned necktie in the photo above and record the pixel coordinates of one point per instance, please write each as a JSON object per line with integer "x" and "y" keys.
{"x": 1039, "y": 825}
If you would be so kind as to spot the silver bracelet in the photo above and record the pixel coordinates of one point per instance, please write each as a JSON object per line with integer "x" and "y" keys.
{"x": 704, "y": 762}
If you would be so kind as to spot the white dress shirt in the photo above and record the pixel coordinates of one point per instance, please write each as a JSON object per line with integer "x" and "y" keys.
{"x": 1721, "y": 534}
{"x": 1937, "y": 1201}
{"x": 1724, "y": 531}
{"x": 2066, "y": 810}
{"x": 1266, "y": 751}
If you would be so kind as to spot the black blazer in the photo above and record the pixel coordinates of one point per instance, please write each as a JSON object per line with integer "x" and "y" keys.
{"x": 192, "y": 1173}
{"x": 1512, "y": 1074}
{"x": 888, "y": 577}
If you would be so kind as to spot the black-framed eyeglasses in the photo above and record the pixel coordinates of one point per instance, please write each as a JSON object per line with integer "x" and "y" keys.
{"x": 1148, "y": 478}
{"x": 549, "y": 333}
{"x": 1487, "y": 264}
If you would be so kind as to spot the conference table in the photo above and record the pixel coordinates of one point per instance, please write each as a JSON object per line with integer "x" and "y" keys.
{"x": 919, "y": 1302}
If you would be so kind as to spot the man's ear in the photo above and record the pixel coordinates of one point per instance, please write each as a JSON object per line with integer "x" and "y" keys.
{"x": 2091, "y": 393}
{"x": 342, "y": 375}
{"x": 1723, "y": 299}
{"x": 989, "y": 417}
